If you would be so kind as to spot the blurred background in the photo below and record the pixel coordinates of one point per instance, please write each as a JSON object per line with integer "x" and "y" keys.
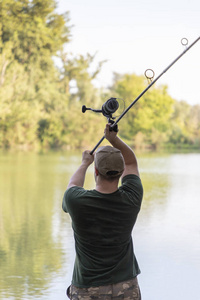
{"x": 56, "y": 56}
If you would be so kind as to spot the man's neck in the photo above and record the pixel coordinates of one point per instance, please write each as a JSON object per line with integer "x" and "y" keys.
{"x": 107, "y": 187}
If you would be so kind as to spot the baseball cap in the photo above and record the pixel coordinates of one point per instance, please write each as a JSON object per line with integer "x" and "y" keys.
{"x": 109, "y": 161}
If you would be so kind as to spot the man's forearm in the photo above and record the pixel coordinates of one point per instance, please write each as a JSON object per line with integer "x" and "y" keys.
{"x": 131, "y": 166}
{"x": 78, "y": 178}
{"x": 127, "y": 152}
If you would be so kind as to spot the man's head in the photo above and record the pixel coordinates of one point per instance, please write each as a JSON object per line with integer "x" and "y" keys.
{"x": 109, "y": 162}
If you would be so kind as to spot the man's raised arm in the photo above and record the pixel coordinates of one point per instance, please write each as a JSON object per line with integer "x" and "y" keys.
{"x": 131, "y": 166}
{"x": 78, "y": 177}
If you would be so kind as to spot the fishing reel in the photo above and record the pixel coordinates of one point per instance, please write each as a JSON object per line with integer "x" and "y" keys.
{"x": 108, "y": 109}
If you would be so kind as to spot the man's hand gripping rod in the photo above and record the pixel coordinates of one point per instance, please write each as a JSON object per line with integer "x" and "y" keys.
{"x": 145, "y": 90}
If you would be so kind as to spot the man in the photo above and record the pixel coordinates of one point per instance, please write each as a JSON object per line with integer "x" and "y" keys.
{"x": 102, "y": 219}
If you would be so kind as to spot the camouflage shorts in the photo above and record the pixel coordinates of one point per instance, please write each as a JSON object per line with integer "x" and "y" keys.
{"x": 127, "y": 290}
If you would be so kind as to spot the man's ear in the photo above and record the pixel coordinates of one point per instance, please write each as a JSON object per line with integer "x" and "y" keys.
{"x": 96, "y": 171}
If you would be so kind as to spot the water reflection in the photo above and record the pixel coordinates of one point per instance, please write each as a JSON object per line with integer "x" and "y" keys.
{"x": 29, "y": 254}
{"x": 36, "y": 240}
{"x": 168, "y": 229}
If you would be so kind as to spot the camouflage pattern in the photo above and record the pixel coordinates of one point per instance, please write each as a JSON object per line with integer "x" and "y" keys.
{"x": 127, "y": 290}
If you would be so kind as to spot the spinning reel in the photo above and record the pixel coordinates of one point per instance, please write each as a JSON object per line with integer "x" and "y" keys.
{"x": 108, "y": 109}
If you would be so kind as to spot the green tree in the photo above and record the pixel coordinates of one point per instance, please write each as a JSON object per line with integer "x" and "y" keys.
{"x": 76, "y": 78}
{"x": 148, "y": 120}
{"x": 36, "y": 31}
{"x": 31, "y": 34}
{"x": 76, "y": 83}
{"x": 39, "y": 107}
{"x": 185, "y": 123}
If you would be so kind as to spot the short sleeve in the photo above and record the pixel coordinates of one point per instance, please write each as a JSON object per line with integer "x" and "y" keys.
{"x": 70, "y": 195}
{"x": 132, "y": 186}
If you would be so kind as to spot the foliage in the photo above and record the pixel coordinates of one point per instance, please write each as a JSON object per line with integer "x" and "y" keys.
{"x": 43, "y": 87}
{"x": 148, "y": 120}
{"x": 185, "y": 124}
{"x": 37, "y": 106}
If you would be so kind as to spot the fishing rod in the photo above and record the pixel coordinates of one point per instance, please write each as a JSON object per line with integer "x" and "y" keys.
{"x": 112, "y": 106}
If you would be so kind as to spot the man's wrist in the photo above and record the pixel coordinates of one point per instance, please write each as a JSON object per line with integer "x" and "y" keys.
{"x": 114, "y": 141}
{"x": 85, "y": 164}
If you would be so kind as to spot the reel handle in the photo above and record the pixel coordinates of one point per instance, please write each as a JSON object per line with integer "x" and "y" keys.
{"x": 84, "y": 108}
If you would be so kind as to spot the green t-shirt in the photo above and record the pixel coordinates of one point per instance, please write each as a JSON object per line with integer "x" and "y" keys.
{"x": 102, "y": 225}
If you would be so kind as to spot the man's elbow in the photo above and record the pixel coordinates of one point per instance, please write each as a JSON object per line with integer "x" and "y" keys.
{"x": 71, "y": 184}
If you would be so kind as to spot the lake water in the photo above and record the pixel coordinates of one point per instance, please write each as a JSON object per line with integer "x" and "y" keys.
{"x": 36, "y": 240}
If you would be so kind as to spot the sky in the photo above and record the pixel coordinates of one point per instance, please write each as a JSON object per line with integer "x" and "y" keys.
{"x": 135, "y": 35}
